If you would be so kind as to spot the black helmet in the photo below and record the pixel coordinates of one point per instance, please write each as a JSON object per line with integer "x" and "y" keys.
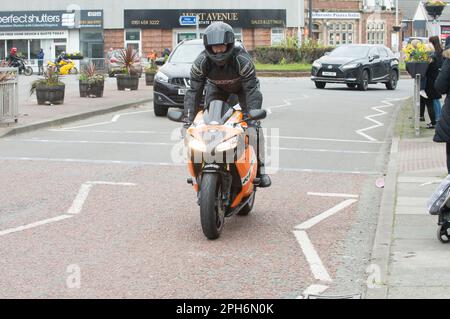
{"x": 216, "y": 34}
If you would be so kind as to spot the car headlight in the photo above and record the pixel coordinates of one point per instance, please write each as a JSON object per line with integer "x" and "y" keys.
{"x": 197, "y": 145}
{"x": 161, "y": 77}
{"x": 350, "y": 66}
{"x": 317, "y": 64}
{"x": 227, "y": 145}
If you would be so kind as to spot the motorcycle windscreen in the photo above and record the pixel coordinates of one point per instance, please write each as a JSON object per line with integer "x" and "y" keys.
{"x": 217, "y": 113}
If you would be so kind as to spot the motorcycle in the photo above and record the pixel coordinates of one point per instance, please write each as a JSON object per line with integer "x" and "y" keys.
{"x": 64, "y": 66}
{"x": 21, "y": 65}
{"x": 222, "y": 163}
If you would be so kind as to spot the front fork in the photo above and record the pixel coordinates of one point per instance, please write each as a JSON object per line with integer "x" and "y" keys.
{"x": 226, "y": 181}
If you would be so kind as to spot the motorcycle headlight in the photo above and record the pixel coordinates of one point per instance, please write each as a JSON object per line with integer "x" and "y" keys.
{"x": 227, "y": 145}
{"x": 317, "y": 64}
{"x": 161, "y": 77}
{"x": 197, "y": 145}
{"x": 350, "y": 66}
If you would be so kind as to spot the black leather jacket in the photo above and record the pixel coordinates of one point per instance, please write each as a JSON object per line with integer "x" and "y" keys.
{"x": 238, "y": 76}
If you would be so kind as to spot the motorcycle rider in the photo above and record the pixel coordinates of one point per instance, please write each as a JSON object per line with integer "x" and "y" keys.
{"x": 13, "y": 59}
{"x": 225, "y": 69}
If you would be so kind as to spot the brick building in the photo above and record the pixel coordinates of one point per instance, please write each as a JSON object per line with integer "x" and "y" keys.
{"x": 93, "y": 27}
{"x": 352, "y": 21}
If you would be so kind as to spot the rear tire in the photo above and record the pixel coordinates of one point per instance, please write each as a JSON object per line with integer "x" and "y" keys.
{"x": 212, "y": 215}
{"x": 160, "y": 110}
{"x": 363, "y": 83}
{"x": 28, "y": 71}
{"x": 320, "y": 85}
{"x": 249, "y": 206}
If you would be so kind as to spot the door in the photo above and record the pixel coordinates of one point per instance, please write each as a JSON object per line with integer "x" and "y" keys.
{"x": 376, "y": 64}
{"x": 386, "y": 62}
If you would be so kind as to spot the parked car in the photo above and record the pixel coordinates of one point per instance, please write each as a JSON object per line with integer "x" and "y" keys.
{"x": 111, "y": 64}
{"x": 173, "y": 78}
{"x": 357, "y": 65}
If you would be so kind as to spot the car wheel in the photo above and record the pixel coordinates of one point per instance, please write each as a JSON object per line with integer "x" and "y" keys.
{"x": 392, "y": 84}
{"x": 160, "y": 110}
{"x": 363, "y": 83}
{"x": 320, "y": 85}
{"x": 351, "y": 85}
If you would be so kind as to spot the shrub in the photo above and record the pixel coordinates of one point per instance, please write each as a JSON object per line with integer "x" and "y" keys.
{"x": 274, "y": 55}
{"x": 311, "y": 51}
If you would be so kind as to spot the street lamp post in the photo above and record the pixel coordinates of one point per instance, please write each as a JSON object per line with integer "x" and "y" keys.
{"x": 310, "y": 19}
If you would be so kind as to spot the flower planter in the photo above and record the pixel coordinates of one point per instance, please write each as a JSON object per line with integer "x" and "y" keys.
{"x": 125, "y": 81}
{"x": 50, "y": 94}
{"x": 91, "y": 90}
{"x": 149, "y": 78}
{"x": 434, "y": 11}
{"x": 414, "y": 68}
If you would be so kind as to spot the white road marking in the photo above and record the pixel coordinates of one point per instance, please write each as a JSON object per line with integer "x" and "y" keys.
{"x": 333, "y": 195}
{"x": 33, "y": 225}
{"x": 89, "y": 142}
{"x": 110, "y": 131}
{"x": 75, "y": 209}
{"x": 319, "y": 150}
{"x": 315, "y": 263}
{"x": 324, "y": 139}
{"x": 269, "y": 169}
{"x": 313, "y": 290}
{"x": 286, "y": 103}
{"x": 317, "y": 219}
{"x": 386, "y": 103}
{"x": 113, "y": 120}
{"x": 83, "y": 193}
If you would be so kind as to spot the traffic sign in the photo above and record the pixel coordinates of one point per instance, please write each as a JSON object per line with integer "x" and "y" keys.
{"x": 188, "y": 20}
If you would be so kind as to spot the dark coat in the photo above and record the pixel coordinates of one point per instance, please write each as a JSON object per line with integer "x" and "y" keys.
{"x": 432, "y": 74}
{"x": 442, "y": 85}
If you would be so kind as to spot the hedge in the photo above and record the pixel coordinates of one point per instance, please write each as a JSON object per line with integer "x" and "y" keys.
{"x": 282, "y": 55}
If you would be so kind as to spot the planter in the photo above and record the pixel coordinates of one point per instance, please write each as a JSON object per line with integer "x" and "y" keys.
{"x": 414, "y": 68}
{"x": 91, "y": 90}
{"x": 50, "y": 94}
{"x": 149, "y": 78}
{"x": 74, "y": 57}
{"x": 434, "y": 11}
{"x": 125, "y": 81}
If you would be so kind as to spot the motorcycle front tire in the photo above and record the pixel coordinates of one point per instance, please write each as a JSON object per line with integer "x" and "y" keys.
{"x": 212, "y": 219}
{"x": 28, "y": 71}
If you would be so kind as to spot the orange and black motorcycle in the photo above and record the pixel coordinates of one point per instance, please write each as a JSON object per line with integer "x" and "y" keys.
{"x": 222, "y": 163}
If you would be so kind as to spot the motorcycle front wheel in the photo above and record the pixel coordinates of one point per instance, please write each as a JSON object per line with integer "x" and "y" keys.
{"x": 73, "y": 70}
{"x": 212, "y": 213}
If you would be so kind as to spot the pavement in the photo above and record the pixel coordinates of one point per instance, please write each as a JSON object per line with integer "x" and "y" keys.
{"x": 408, "y": 261}
{"x": 33, "y": 116}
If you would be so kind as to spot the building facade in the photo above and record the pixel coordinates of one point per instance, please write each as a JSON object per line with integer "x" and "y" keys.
{"x": 352, "y": 21}
{"x": 94, "y": 27}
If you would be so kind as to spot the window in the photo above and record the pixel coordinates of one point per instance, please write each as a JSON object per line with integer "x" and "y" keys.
{"x": 340, "y": 33}
{"x": 277, "y": 36}
{"x": 2, "y": 50}
{"x": 21, "y": 45}
{"x": 91, "y": 43}
{"x": 35, "y": 47}
{"x": 376, "y": 33}
{"x": 133, "y": 39}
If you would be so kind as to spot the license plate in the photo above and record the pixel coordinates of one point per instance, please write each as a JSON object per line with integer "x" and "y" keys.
{"x": 182, "y": 91}
{"x": 329, "y": 73}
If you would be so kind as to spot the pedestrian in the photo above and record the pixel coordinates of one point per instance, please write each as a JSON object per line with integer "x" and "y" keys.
{"x": 431, "y": 75}
{"x": 442, "y": 85}
{"x": 40, "y": 57}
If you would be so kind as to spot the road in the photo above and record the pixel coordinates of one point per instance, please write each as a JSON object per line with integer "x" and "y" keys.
{"x": 101, "y": 208}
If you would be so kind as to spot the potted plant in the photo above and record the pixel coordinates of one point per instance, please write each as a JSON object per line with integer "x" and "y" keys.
{"x": 150, "y": 72}
{"x": 129, "y": 60}
{"x": 91, "y": 83}
{"x": 435, "y": 8}
{"x": 417, "y": 58}
{"x": 49, "y": 89}
{"x": 8, "y": 93}
{"x": 74, "y": 56}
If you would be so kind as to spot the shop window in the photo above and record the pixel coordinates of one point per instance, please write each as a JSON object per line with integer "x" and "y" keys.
{"x": 21, "y": 45}
{"x": 91, "y": 43}
{"x": 35, "y": 47}
{"x": 277, "y": 36}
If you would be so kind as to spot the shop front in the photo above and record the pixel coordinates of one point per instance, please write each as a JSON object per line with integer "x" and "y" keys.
{"x": 148, "y": 30}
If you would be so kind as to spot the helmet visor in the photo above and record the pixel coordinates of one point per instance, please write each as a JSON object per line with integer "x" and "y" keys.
{"x": 215, "y": 38}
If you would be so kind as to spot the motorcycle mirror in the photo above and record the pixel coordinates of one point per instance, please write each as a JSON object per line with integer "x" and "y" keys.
{"x": 159, "y": 61}
{"x": 175, "y": 115}
{"x": 257, "y": 114}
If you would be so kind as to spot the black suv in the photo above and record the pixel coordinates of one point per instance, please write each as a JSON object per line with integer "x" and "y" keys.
{"x": 357, "y": 65}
